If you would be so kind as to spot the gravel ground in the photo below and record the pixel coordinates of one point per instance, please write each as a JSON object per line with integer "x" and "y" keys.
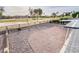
{"x": 2, "y": 45}
{"x": 39, "y": 38}
{"x": 48, "y": 40}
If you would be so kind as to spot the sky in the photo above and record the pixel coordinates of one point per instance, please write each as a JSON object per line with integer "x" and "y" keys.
{"x": 47, "y": 10}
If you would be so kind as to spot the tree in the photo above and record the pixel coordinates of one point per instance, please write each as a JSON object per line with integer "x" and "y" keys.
{"x": 74, "y": 15}
{"x": 38, "y": 12}
{"x": 1, "y": 11}
{"x": 77, "y": 14}
{"x": 31, "y": 12}
{"x": 55, "y": 14}
{"x": 67, "y": 13}
{"x": 62, "y": 15}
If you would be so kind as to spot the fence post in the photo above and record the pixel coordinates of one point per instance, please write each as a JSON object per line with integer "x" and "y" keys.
{"x": 19, "y": 27}
{"x": 28, "y": 22}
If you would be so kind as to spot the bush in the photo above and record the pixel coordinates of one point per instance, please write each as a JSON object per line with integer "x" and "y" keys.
{"x": 56, "y": 21}
{"x": 74, "y": 15}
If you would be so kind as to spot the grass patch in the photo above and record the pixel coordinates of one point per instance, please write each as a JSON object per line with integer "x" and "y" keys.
{"x": 15, "y": 20}
{"x": 31, "y": 20}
